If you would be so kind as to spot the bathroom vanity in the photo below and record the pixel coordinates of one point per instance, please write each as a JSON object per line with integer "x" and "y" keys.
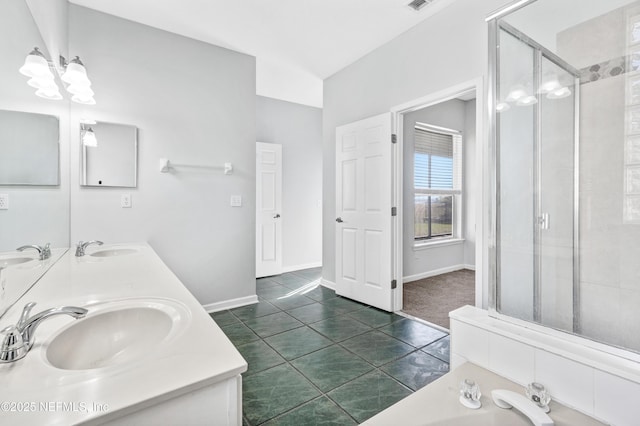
{"x": 146, "y": 352}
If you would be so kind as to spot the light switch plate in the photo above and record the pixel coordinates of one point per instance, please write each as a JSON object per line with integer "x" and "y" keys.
{"x": 236, "y": 201}
{"x": 125, "y": 201}
{"x": 4, "y": 201}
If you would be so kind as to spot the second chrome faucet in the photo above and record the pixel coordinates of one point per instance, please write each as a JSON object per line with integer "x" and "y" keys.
{"x": 82, "y": 245}
{"x": 43, "y": 252}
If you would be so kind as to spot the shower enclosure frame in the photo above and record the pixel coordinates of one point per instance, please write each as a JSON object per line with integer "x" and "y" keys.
{"x": 540, "y": 52}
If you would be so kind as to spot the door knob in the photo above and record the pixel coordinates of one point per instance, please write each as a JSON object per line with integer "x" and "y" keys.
{"x": 276, "y": 216}
{"x": 339, "y": 220}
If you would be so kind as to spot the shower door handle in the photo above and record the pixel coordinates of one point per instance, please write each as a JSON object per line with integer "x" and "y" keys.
{"x": 543, "y": 221}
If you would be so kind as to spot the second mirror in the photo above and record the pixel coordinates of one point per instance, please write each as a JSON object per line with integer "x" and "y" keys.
{"x": 109, "y": 155}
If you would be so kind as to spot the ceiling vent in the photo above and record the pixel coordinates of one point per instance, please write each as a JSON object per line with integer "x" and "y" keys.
{"x": 419, "y": 4}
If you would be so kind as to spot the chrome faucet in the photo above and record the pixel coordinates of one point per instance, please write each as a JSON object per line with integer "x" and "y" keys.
{"x": 43, "y": 252}
{"x": 18, "y": 339}
{"x": 83, "y": 245}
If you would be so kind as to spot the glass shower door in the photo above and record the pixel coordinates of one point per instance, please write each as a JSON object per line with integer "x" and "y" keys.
{"x": 536, "y": 150}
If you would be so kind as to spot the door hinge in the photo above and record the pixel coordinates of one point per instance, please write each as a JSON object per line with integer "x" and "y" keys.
{"x": 394, "y": 138}
{"x": 394, "y": 211}
{"x": 394, "y": 284}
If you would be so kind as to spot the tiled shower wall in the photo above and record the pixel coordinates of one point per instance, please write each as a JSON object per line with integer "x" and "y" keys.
{"x": 605, "y": 49}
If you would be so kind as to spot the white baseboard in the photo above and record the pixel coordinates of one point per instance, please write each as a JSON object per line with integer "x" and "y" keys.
{"x": 433, "y": 273}
{"x": 470, "y": 267}
{"x": 230, "y": 304}
{"x": 328, "y": 284}
{"x": 293, "y": 268}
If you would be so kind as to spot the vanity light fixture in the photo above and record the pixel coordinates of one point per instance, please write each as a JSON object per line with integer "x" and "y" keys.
{"x": 89, "y": 137}
{"x": 42, "y": 78}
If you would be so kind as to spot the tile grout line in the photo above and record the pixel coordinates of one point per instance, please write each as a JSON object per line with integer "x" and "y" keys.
{"x": 339, "y": 344}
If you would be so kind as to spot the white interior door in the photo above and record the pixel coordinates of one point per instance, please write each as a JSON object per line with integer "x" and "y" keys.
{"x": 363, "y": 211}
{"x": 268, "y": 209}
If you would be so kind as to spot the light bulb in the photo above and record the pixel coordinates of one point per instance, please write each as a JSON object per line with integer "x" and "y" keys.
{"x": 503, "y": 106}
{"x": 89, "y": 138}
{"x": 52, "y": 93}
{"x": 549, "y": 86}
{"x": 45, "y": 82}
{"x": 35, "y": 64}
{"x": 88, "y": 100}
{"x": 516, "y": 93}
{"x": 562, "y": 92}
{"x": 81, "y": 91}
{"x": 76, "y": 73}
{"x": 527, "y": 100}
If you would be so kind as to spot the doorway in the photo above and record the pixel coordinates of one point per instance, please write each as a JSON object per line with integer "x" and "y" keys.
{"x": 439, "y": 185}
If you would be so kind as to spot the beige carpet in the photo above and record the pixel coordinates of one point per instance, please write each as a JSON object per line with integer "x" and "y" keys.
{"x": 431, "y": 299}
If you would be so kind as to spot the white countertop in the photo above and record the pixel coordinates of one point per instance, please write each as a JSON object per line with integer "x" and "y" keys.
{"x": 438, "y": 404}
{"x": 199, "y": 356}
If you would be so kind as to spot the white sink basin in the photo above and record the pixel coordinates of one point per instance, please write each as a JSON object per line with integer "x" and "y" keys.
{"x": 8, "y": 261}
{"x": 114, "y": 252}
{"x": 116, "y": 333}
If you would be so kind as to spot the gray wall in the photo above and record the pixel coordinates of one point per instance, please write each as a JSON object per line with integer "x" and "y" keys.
{"x": 193, "y": 103}
{"x": 419, "y": 261}
{"x": 298, "y": 128}
{"x": 447, "y": 49}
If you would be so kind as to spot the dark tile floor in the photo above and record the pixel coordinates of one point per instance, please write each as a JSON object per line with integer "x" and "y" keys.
{"x": 317, "y": 358}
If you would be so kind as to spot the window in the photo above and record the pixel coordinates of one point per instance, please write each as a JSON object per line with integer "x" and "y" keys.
{"x": 437, "y": 182}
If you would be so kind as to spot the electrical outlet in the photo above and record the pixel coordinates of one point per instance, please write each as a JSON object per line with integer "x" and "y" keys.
{"x": 236, "y": 201}
{"x": 125, "y": 201}
{"x": 4, "y": 201}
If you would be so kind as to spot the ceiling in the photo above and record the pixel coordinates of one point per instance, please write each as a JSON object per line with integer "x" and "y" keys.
{"x": 297, "y": 43}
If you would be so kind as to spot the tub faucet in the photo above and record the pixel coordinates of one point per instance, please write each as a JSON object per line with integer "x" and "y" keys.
{"x": 17, "y": 340}
{"x": 43, "y": 252}
{"x": 83, "y": 245}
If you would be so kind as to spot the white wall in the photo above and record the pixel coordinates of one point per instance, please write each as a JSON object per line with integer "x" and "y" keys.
{"x": 445, "y": 50}
{"x": 193, "y": 103}
{"x": 298, "y": 128}
{"x": 52, "y": 19}
{"x": 419, "y": 262}
{"x": 37, "y": 214}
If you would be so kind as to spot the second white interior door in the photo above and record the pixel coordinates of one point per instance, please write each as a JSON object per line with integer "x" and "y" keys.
{"x": 268, "y": 209}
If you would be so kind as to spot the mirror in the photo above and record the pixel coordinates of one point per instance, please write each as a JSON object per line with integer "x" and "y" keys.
{"x": 29, "y": 149}
{"x": 567, "y": 138}
{"x": 38, "y": 212}
{"x": 109, "y": 155}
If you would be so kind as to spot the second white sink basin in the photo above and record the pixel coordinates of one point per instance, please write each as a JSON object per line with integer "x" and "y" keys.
{"x": 114, "y": 252}
{"x": 116, "y": 333}
{"x": 8, "y": 261}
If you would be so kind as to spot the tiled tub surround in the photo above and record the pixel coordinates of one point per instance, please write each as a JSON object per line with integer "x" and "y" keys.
{"x": 191, "y": 380}
{"x": 317, "y": 358}
{"x": 577, "y": 374}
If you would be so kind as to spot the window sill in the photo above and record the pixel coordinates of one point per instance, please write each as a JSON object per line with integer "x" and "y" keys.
{"x": 436, "y": 244}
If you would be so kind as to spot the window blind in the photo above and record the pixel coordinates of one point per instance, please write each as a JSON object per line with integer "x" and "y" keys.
{"x": 438, "y": 162}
